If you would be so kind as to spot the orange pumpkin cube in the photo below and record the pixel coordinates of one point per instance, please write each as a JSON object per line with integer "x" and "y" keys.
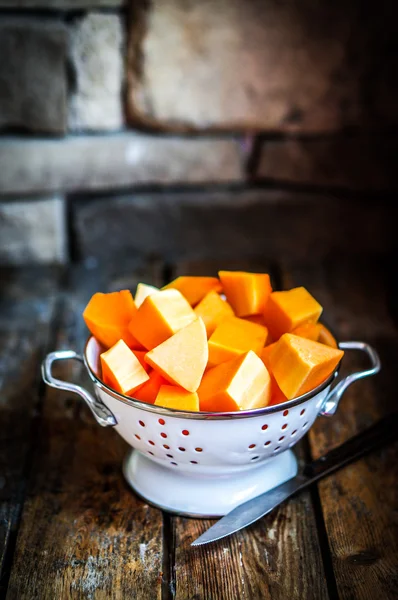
{"x": 265, "y": 353}
{"x": 241, "y": 383}
{"x": 277, "y": 396}
{"x": 300, "y": 365}
{"x": 213, "y": 310}
{"x": 150, "y": 389}
{"x": 194, "y": 288}
{"x": 160, "y": 316}
{"x": 121, "y": 369}
{"x": 107, "y": 316}
{"x": 170, "y": 396}
{"x": 259, "y": 319}
{"x": 287, "y": 310}
{"x": 233, "y": 337}
{"x": 247, "y": 293}
{"x": 310, "y": 331}
{"x": 182, "y": 358}
{"x": 143, "y": 291}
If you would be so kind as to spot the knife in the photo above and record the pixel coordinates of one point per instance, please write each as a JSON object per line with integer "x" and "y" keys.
{"x": 386, "y": 430}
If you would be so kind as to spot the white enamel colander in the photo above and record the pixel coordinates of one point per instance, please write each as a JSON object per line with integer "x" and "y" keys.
{"x": 205, "y": 464}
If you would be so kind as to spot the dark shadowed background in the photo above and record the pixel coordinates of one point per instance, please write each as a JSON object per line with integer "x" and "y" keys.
{"x": 147, "y": 128}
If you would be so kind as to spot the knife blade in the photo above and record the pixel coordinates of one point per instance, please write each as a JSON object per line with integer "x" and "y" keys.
{"x": 383, "y": 432}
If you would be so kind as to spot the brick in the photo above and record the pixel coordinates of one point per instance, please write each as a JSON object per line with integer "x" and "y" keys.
{"x": 275, "y": 66}
{"x": 96, "y": 55}
{"x": 115, "y": 161}
{"x": 33, "y": 231}
{"x": 33, "y": 75}
{"x": 356, "y": 163}
{"x": 266, "y": 224}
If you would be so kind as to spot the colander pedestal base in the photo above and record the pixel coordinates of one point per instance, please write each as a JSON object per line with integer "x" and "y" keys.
{"x": 201, "y": 495}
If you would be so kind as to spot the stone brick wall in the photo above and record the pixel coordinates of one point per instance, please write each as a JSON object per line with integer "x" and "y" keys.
{"x": 162, "y": 123}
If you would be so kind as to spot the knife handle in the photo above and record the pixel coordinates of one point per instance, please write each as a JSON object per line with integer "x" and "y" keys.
{"x": 382, "y": 432}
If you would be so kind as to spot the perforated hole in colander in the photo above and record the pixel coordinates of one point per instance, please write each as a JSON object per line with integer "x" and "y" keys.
{"x": 281, "y": 438}
{"x": 151, "y": 442}
{"x": 198, "y": 449}
{"x": 294, "y": 432}
{"x": 267, "y": 443}
{"x": 305, "y": 425}
{"x": 302, "y": 412}
{"x": 252, "y": 446}
{"x": 285, "y": 413}
{"x": 161, "y": 421}
{"x": 284, "y": 426}
{"x": 164, "y": 435}
{"x": 141, "y": 423}
{"x": 149, "y": 452}
{"x": 193, "y": 462}
{"x": 276, "y": 449}
{"x": 181, "y": 449}
{"x": 137, "y": 436}
{"x": 174, "y": 463}
{"x": 169, "y": 455}
{"x": 255, "y": 457}
{"x": 185, "y": 432}
{"x": 264, "y": 427}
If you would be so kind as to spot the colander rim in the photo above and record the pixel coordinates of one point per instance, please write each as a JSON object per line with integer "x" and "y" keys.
{"x": 185, "y": 414}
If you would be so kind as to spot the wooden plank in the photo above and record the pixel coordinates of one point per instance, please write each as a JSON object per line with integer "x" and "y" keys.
{"x": 84, "y": 534}
{"x": 27, "y": 307}
{"x": 278, "y": 557}
{"x": 359, "y": 503}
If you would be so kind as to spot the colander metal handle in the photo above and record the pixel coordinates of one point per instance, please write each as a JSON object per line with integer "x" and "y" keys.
{"x": 332, "y": 400}
{"x": 100, "y": 411}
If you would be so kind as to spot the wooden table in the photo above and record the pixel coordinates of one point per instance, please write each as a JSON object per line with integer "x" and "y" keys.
{"x": 71, "y": 528}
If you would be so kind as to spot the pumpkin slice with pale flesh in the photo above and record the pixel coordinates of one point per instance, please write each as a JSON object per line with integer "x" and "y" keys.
{"x": 182, "y": 358}
{"x": 107, "y": 316}
{"x": 284, "y": 311}
{"x": 160, "y": 316}
{"x": 194, "y": 288}
{"x": 300, "y": 365}
{"x": 241, "y": 383}
{"x": 121, "y": 369}
{"x": 143, "y": 291}
{"x": 213, "y": 310}
{"x": 247, "y": 293}
{"x": 171, "y": 396}
{"x": 235, "y": 336}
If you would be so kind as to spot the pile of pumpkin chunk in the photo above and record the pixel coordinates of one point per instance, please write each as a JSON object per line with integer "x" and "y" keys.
{"x": 212, "y": 344}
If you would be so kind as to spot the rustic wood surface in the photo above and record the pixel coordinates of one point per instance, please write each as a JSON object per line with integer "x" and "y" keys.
{"x": 71, "y": 528}
{"x": 83, "y": 534}
{"x": 360, "y": 502}
{"x": 27, "y": 306}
